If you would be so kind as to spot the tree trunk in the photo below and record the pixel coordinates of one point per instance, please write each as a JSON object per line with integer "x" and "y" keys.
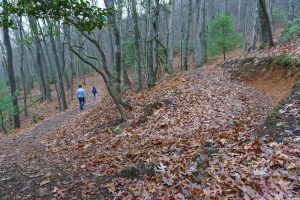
{"x": 62, "y": 53}
{"x": 126, "y": 80}
{"x": 201, "y": 46}
{"x": 2, "y": 122}
{"x": 150, "y": 37}
{"x": 112, "y": 49}
{"x": 197, "y": 38}
{"x": 187, "y": 37}
{"x": 266, "y": 32}
{"x": 118, "y": 55}
{"x": 138, "y": 66}
{"x": 106, "y": 75}
{"x": 59, "y": 74}
{"x": 116, "y": 97}
{"x": 170, "y": 37}
{"x": 155, "y": 25}
{"x": 24, "y": 86}
{"x": 10, "y": 70}
{"x": 245, "y": 27}
{"x": 255, "y": 28}
{"x": 72, "y": 73}
{"x": 42, "y": 69}
{"x": 239, "y": 16}
{"x": 44, "y": 66}
{"x": 182, "y": 36}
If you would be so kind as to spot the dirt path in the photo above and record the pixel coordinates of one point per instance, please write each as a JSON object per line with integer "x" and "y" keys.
{"x": 34, "y": 167}
{"x": 22, "y": 162}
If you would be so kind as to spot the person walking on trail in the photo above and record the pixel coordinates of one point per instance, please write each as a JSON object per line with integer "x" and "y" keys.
{"x": 81, "y": 96}
{"x": 94, "y": 91}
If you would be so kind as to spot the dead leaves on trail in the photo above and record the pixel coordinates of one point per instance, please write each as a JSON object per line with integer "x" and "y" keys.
{"x": 191, "y": 137}
{"x": 199, "y": 131}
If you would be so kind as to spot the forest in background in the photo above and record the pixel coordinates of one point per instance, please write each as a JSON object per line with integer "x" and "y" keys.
{"x": 132, "y": 47}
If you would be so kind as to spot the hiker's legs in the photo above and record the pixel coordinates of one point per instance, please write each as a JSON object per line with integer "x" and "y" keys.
{"x": 81, "y": 102}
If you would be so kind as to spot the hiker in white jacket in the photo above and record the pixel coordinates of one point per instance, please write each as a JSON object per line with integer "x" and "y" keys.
{"x": 81, "y": 96}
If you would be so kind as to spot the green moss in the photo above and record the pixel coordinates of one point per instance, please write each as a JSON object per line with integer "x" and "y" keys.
{"x": 285, "y": 61}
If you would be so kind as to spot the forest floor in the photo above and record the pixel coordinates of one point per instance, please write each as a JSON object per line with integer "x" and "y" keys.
{"x": 198, "y": 135}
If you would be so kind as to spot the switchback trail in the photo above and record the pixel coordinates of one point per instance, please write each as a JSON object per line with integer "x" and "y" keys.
{"x": 74, "y": 155}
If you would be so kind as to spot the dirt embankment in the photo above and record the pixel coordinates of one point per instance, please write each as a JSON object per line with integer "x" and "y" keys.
{"x": 274, "y": 76}
{"x": 278, "y": 77}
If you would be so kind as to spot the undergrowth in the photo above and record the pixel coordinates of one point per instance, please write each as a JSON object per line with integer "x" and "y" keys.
{"x": 291, "y": 32}
{"x": 286, "y": 61}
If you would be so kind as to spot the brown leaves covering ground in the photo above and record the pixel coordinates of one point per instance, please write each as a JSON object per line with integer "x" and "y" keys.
{"x": 203, "y": 108}
{"x": 196, "y": 111}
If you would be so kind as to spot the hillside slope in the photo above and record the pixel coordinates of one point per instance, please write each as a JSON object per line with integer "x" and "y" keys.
{"x": 197, "y": 135}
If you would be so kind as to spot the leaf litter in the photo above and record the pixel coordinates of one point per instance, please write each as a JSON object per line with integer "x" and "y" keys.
{"x": 199, "y": 130}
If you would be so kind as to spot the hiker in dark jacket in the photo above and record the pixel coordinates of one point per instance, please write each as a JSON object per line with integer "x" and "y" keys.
{"x": 94, "y": 91}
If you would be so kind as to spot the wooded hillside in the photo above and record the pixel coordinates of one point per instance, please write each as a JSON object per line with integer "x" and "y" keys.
{"x": 191, "y": 99}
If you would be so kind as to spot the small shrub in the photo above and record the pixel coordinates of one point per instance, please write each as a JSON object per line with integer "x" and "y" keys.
{"x": 222, "y": 36}
{"x": 291, "y": 32}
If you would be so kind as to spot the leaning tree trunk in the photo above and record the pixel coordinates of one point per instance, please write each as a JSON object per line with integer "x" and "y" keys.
{"x": 106, "y": 75}
{"x": 266, "y": 32}
{"x": 10, "y": 70}
{"x": 138, "y": 66}
{"x": 116, "y": 98}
